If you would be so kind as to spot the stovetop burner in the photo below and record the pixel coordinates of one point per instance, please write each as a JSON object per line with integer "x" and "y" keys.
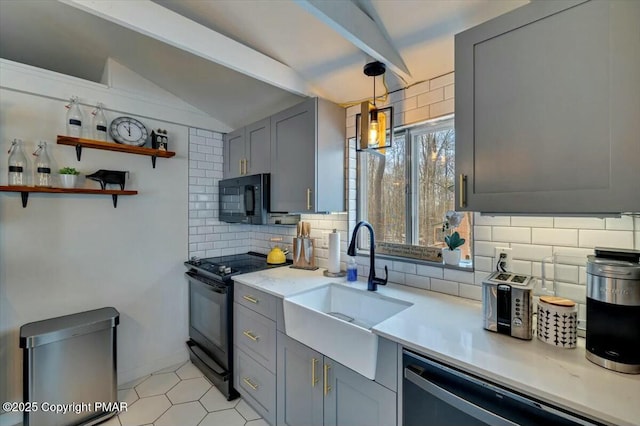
{"x": 225, "y": 267}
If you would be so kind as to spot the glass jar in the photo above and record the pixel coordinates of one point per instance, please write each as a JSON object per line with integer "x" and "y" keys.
{"x": 99, "y": 124}
{"x": 74, "y": 118}
{"x": 17, "y": 164}
{"x": 42, "y": 167}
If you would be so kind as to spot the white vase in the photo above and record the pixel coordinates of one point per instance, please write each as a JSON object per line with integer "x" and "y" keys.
{"x": 68, "y": 181}
{"x": 451, "y": 257}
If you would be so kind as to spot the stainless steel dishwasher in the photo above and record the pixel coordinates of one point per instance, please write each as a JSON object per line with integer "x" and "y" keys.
{"x": 435, "y": 394}
{"x": 69, "y": 368}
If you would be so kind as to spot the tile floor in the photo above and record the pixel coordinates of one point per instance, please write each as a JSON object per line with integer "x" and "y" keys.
{"x": 180, "y": 396}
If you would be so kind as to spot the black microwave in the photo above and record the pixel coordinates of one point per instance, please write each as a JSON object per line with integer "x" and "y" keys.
{"x": 244, "y": 199}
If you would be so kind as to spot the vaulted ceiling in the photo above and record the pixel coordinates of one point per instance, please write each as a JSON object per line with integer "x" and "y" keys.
{"x": 241, "y": 60}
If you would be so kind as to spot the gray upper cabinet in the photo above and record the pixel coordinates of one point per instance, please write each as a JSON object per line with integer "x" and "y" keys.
{"x": 258, "y": 147}
{"x": 247, "y": 151}
{"x": 233, "y": 154}
{"x": 307, "y": 158}
{"x": 548, "y": 111}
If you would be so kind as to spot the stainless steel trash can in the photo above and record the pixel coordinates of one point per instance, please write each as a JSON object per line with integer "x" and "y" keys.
{"x": 69, "y": 365}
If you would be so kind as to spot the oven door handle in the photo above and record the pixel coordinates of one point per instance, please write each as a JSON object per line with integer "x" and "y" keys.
{"x": 457, "y": 402}
{"x": 204, "y": 281}
{"x": 216, "y": 369}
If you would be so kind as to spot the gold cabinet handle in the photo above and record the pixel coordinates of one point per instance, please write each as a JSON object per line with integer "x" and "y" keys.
{"x": 250, "y": 299}
{"x": 240, "y": 165}
{"x": 251, "y": 336}
{"x": 246, "y": 166}
{"x": 314, "y": 379}
{"x": 308, "y": 198}
{"x": 463, "y": 190}
{"x": 327, "y": 386}
{"x": 251, "y": 385}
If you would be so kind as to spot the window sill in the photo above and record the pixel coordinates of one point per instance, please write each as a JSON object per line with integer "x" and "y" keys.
{"x": 464, "y": 265}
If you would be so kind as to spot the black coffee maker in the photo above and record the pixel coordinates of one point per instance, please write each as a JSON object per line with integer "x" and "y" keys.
{"x": 613, "y": 309}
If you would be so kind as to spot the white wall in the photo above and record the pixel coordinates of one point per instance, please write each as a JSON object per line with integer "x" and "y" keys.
{"x": 70, "y": 253}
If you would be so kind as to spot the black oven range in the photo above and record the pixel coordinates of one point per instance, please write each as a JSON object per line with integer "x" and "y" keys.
{"x": 210, "y": 341}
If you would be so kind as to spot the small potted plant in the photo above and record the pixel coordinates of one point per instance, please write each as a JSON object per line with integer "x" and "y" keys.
{"x": 451, "y": 254}
{"x": 68, "y": 177}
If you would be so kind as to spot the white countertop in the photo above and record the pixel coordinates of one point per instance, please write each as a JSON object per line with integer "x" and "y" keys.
{"x": 450, "y": 329}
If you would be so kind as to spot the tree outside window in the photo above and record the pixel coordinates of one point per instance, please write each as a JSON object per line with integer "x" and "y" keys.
{"x": 406, "y": 190}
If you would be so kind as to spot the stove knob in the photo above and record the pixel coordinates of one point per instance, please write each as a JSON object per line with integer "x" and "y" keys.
{"x": 222, "y": 269}
{"x": 195, "y": 260}
{"x": 517, "y": 322}
{"x": 227, "y": 270}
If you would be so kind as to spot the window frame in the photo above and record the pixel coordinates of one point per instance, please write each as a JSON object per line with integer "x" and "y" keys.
{"x": 409, "y": 133}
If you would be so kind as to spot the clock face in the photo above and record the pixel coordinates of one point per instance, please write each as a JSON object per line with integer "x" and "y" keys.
{"x": 128, "y": 131}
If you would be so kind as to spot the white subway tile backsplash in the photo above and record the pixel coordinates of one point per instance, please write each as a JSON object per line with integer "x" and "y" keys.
{"x": 566, "y": 273}
{"x": 442, "y": 286}
{"x": 430, "y": 271}
{"x": 530, "y": 252}
{"x": 532, "y": 221}
{"x": 394, "y": 277}
{"x": 575, "y": 292}
{"x": 511, "y": 234}
{"x": 555, "y": 237}
{"x": 623, "y": 223}
{"x": 482, "y": 263}
{"x": 416, "y": 89}
{"x": 579, "y": 222}
{"x": 409, "y": 268}
{"x": 480, "y": 276}
{"x": 418, "y": 281}
{"x": 480, "y": 219}
{"x": 449, "y": 91}
{"x": 482, "y": 233}
{"x": 443, "y": 80}
{"x": 459, "y": 276}
{"x": 521, "y": 267}
{"x": 441, "y": 108}
{"x": 468, "y": 291}
{"x": 416, "y": 115}
{"x": 618, "y": 239}
{"x": 485, "y": 248}
{"x": 430, "y": 97}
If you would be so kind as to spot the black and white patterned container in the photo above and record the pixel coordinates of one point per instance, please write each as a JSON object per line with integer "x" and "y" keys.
{"x": 558, "y": 322}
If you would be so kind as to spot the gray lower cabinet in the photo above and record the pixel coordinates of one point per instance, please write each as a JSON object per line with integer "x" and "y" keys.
{"x": 254, "y": 333}
{"x": 307, "y": 158}
{"x": 315, "y": 390}
{"x": 547, "y": 109}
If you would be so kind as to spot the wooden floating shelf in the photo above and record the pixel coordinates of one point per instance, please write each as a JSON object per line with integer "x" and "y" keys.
{"x": 80, "y": 143}
{"x": 26, "y": 190}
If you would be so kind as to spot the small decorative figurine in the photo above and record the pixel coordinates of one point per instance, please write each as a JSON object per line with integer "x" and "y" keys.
{"x": 159, "y": 140}
{"x": 105, "y": 177}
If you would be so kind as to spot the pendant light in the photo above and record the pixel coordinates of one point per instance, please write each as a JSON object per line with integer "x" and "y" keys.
{"x": 371, "y": 124}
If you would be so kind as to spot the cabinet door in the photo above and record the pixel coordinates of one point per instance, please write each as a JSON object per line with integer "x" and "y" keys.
{"x": 234, "y": 154}
{"x": 299, "y": 384}
{"x": 257, "y": 147}
{"x": 293, "y": 145}
{"x": 354, "y": 400}
{"x": 547, "y": 110}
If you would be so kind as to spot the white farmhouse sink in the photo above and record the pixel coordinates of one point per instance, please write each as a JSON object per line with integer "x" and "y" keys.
{"x": 336, "y": 320}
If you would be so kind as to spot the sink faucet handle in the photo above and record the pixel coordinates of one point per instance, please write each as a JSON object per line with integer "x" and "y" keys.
{"x": 382, "y": 281}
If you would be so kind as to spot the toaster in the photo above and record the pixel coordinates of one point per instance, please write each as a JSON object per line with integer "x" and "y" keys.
{"x": 507, "y": 304}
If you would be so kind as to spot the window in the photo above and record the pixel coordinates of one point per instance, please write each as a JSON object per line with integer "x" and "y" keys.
{"x": 406, "y": 190}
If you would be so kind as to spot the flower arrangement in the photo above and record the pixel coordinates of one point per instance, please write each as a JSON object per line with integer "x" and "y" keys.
{"x": 451, "y": 255}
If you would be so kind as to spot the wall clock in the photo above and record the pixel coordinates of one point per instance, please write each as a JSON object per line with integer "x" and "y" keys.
{"x": 128, "y": 131}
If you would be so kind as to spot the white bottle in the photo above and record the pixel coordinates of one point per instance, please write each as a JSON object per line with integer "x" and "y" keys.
{"x": 74, "y": 118}
{"x": 17, "y": 164}
{"x": 99, "y": 124}
{"x": 42, "y": 167}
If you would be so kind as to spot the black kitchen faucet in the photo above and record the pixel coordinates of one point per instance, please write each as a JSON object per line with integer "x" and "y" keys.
{"x": 373, "y": 281}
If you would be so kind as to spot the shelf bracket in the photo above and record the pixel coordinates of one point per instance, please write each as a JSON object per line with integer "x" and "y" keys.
{"x": 78, "y": 151}
{"x": 115, "y": 200}
{"x": 25, "y": 198}
{"x": 153, "y": 161}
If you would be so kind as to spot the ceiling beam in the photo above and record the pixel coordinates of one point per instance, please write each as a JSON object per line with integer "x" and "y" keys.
{"x": 358, "y": 28}
{"x": 160, "y": 23}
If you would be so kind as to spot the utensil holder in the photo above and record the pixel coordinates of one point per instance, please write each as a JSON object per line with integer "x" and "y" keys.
{"x": 304, "y": 253}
